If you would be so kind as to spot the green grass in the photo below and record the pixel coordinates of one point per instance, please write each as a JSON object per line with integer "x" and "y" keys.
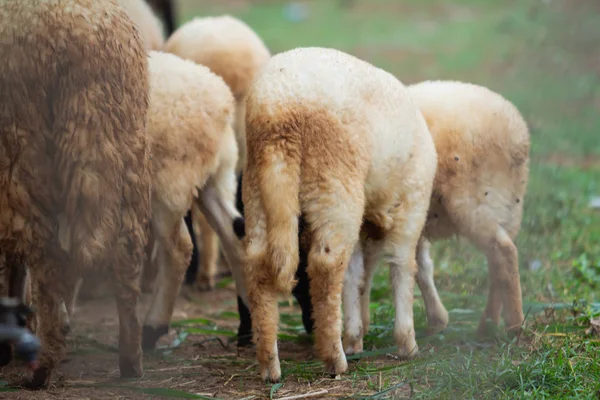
{"x": 543, "y": 56}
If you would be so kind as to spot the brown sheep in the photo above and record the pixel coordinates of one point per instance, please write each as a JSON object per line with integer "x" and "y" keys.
{"x": 194, "y": 153}
{"x": 339, "y": 140}
{"x": 232, "y": 50}
{"x": 482, "y": 143}
{"x": 74, "y": 159}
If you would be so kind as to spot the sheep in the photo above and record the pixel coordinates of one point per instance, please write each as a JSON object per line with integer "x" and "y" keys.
{"x": 151, "y": 30}
{"x": 482, "y": 143}
{"x": 148, "y": 24}
{"x": 232, "y": 50}
{"x": 340, "y": 140}
{"x": 74, "y": 159}
{"x": 194, "y": 153}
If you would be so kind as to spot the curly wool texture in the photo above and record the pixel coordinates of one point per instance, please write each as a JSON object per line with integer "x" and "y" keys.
{"x": 232, "y": 50}
{"x": 150, "y": 27}
{"x": 191, "y": 109}
{"x": 74, "y": 156}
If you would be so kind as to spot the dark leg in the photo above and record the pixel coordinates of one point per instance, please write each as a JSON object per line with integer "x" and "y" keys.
{"x": 168, "y": 11}
{"x": 245, "y": 328}
{"x": 16, "y": 273}
{"x": 301, "y": 290}
{"x": 192, "y": 270}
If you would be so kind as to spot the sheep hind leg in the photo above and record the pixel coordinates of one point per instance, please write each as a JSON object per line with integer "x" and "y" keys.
{"x": 437, "y": 315}
{"x": 173, "y": 256}
{"x": 400, "y": 248}
{"x": 335, "y": 235}
{"x": 353, "y": 329}
{"x": 505, "y": 285}
{"x": 357, "y": 294}
{"x": 207, "y": 270}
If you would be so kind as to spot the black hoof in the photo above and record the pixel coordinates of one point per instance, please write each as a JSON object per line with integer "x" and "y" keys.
{"x": 239, "y": 227}
{"x": 66, "y": 329}
{"x": 244, "y": 340}
{"x": 6, "y": 354}
{"x": 151, "y": 335}
{"x": 40, "y": 380}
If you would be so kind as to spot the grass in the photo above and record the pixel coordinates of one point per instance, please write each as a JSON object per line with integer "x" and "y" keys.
{"x": 543, "y": 56}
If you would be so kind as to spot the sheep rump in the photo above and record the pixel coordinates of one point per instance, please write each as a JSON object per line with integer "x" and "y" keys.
{"x": 482, "y": 144}
{"x": 339, "y": 140}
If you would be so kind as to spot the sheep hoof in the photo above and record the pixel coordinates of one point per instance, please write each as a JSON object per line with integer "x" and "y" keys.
{"x": 205, "y": 284}
{"x": 150, "y": 336}
{"x": 66, "y": 328}
{"x": 271, "y": 373}
{"x": 40, "y": 379}
{"x": 6, "y": 354}
{"x": 353, "y": 346}
{"x": 438, "y": 322}
{"x": 408, "y": 352}
{"x": 337, "y": 366}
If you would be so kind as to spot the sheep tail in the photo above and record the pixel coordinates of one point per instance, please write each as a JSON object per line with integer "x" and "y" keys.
{"x": 279, "y": 182}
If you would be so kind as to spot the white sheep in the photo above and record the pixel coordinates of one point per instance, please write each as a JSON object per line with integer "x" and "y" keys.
{"x": 482, "y": 144}
{"x": 194, "y": 153}
{"x": 232, "y": 50}
{"x": 339, "y": 140}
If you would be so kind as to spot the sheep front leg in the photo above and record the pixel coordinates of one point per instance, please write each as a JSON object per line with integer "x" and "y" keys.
{"x": 173, "y": 256}
{"x": 353, "y": 326}
{"x": 47, "y": 300}
{"x": 437, "y": 316}
{"x": 126, "y": 288}
{"x": 205, "y": 278}
{"x": 229, "y": 226}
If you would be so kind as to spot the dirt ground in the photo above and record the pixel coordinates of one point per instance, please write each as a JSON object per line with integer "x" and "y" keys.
{"x": 206, "y": 365}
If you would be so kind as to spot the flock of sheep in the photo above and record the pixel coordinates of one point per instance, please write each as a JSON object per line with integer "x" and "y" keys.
{"x": 110, "y": 134}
